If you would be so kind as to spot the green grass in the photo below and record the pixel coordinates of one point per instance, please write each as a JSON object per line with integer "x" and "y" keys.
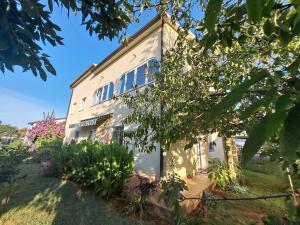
{"x": 43, "y": 200}
{"x": 260, "y": 179}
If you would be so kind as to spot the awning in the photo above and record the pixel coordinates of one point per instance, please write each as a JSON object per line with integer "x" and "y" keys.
{"x": 91, "y": 121}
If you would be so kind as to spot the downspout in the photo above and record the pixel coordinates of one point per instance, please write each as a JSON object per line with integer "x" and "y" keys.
{"x": 161, "y": 107}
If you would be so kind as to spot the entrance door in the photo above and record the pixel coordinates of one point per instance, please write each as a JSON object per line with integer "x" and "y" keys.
{"x": 202, "y": 157}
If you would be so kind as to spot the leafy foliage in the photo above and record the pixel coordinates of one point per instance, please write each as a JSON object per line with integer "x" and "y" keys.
{"x": 221, "y": 175}
{"x": 10, "y": 157}
{"x": 103, "y": 167}
{"x": 172, "y": 188}
{"x": 244, "y": 64}
{"x": 7, "y": 130}
{"x": 27, "y": 23}
{"x": 293, "y": 216}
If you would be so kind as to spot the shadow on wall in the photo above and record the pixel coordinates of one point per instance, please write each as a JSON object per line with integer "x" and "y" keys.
{"x": 185, "y": 160}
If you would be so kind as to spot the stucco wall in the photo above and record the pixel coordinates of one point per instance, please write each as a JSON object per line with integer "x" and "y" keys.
{"x": 185, "y": 160}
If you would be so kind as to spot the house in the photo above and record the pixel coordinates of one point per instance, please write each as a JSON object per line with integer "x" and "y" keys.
{"x": 94, "y": 111}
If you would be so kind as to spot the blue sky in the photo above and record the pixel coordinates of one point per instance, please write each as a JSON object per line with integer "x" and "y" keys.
{"x": 24, "y": 98}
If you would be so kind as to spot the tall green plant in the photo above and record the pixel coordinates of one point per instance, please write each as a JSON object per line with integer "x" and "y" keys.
{"x": 221, "y": 175}
{"x": 103, "y": 167}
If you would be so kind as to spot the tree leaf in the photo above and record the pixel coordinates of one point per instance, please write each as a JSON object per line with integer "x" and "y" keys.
{"x": 254, "y": 10}
{"x": 267, "y": 8}
{"x": 290, "y": 137}
{"x": 50, "y": 4}
{"x": 269, "y": 28}
{"x": 256, "y": 105}
{"x": 50, "y": 68}
{"x": 212, "y": 11}
{"x": 262, "y": 131}
{"x": 236, "y": 94}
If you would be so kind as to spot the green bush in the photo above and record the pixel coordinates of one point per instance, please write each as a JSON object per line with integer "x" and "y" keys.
{"x": 221, "y": 175}
{"x": 10, "y": 157}
{"x": 103, "y": 167}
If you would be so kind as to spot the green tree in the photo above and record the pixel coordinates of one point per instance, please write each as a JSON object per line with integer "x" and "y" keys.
{"x": 243, "y": 74}
{"x": 7, "y": 130}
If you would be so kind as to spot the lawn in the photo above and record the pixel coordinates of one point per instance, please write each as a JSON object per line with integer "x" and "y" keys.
{"x": 45, "y": 200}
{"x": 260, "y": 178}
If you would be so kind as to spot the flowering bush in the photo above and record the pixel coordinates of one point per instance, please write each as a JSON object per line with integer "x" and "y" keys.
{"x": 45, "y": 129}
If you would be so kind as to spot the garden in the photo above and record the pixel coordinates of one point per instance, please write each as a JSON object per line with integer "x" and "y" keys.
{"x": 49, "y": 182}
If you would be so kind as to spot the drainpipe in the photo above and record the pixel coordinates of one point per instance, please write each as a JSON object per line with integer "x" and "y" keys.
{"x": 161, "y": 107}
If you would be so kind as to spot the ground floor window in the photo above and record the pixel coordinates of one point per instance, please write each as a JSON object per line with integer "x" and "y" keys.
{"x": 118, "y": 134}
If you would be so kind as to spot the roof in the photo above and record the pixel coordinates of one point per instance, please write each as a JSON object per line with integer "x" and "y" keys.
{"x": 94, "y": 67}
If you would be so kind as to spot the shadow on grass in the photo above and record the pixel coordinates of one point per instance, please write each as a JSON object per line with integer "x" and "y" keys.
{"x": 47, "y": 200}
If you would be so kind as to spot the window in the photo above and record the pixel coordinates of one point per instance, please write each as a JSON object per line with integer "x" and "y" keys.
{"x": 211, "y": 146}
{"x": 117, "y": 134}
{"x": 77, "y": 133}
{"x": 129, "y": 80}
{"x": 82, "y": 103}
{"x": 104, "y": 94}
{"x": 121, "y": 85}
{"x": 97, "y": 96}
{"x": 140, "y": 75}
{"x": 153, "y": 67}
{"x": 111, "y": 90}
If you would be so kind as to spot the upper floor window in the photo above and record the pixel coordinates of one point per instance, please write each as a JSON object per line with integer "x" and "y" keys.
{"x": 153, "y": 68}
{"x": 103, "y": 93}
{"x": 121, "y": 85}
{"x": 142, "y": 75}
{"x": 129, "y": 80}
{"x": 97, "y": 96}
{"x": 111, "y": 90}
{"x": 82, "y": 103}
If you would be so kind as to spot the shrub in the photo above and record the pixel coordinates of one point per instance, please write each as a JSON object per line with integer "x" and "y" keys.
{"x": 172, "y": 188}
{"x": 221, "y": 175}
{"x": 103, "y": 167}
{"x": 10, "y": 157}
